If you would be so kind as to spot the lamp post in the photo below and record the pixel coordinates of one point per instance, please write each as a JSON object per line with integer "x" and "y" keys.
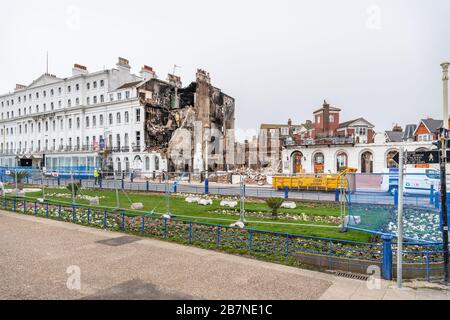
{"x": 443, "y": 167}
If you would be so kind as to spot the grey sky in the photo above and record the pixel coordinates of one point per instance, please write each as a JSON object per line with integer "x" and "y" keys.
{"x": 279, "y": 59}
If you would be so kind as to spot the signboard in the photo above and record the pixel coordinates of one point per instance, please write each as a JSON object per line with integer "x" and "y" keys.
{"x": 55, "y": 174}
{"x": 420, "y": 157}
{"x": 8, "y": 172}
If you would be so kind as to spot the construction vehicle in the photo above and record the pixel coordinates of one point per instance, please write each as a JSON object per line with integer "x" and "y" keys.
{"x": 324, "y": 182}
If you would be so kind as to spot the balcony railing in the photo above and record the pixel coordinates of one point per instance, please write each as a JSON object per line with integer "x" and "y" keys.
{"x": 321, "y": 141}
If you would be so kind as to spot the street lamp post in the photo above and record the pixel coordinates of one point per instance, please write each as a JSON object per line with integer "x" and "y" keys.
{"x": 206, "y": 126}
{"x": 443, "y": 165}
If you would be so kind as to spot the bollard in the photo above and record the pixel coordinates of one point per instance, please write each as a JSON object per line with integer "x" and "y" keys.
{"x": 336, "y": 195}
{"x": 206, "y": 186}
{"x": 286, "y": 192}
{"x": 432, "y": 194}
{"x": 387, "y": 257}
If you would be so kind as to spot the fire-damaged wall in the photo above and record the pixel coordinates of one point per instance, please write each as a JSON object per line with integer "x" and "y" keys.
{"x": 169, "y": 106}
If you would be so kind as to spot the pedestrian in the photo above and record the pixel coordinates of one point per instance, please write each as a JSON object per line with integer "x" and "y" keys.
{"x": 95, "y": 176}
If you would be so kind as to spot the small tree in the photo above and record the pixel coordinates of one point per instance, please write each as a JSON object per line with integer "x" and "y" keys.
{"x": 75, "y": 186}
{"x": 274, "y": 204}
{"x": 20, "y": 175}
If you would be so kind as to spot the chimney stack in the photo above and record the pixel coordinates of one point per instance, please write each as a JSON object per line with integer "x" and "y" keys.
{"x": 79, "y": 69}
{"x": 20, "y": 87}
{"x": 147, "y": 73}
{"x": 123, "y": 64}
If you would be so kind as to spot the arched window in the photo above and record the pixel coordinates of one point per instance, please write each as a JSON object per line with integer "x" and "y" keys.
{"x": 341, "y": 161}
{"x": 390, "y": 163}
{"x": 319, "y": 163}
{"x": 156, "y": 164}
{"x": 297, "y": 158}
{"x": 367, "y": 162}
{"x": 147, "y": 164}
{"x": 127, "y": 165}
{"x": 118, "y": 165}
{"x": 118, "y": 118}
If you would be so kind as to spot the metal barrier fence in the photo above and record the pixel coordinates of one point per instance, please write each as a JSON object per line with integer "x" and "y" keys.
{"x": 423, "y": 260}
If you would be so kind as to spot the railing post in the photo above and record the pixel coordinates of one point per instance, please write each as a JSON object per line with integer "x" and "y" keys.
{"x": 432, "y": 194}
{"x": 105, "y": 225}
{"x": 73, "y": 213}
{"x": 250, "y": 241}
{"x": 46, "y": 209}
{"x": 190, "y": 232}
{"x": 123, "y": 221}
{"x": 436, "y": 200}
{"x": 147, "y": 185}
{"x": 287, "y": 246}
{"x": 387, "y": 257}
{"x": 165, "y": 228}
{"x": 286, "y": 192}
{"x": 396, "y": 197}
{"x": 206, "y": 186}
{"x": 336, "y": 195}
{"x": 123, "y": 184}
{"x": 35, "y": 208}
{"x": 218, "y": 237}
{"x": 89, "y": 216}
{"x": 330, "y": 256}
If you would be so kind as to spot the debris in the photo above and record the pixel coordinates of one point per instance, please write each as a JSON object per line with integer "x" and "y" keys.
{"x": 289, "y": 205}
{"x": 238, "y": 224}
{"x": 205, "y": 202}
{"x": 137, "y": 206}
{"x": 228, "y": 203}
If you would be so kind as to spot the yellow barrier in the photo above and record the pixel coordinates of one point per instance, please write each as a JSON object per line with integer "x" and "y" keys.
{"x": 326, "y": 182}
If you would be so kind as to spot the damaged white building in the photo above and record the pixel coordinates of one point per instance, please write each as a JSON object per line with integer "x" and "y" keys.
{"x": 111, "y": 119}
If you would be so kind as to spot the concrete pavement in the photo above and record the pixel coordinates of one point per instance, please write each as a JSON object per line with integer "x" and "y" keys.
{"x": 36, "y": 255}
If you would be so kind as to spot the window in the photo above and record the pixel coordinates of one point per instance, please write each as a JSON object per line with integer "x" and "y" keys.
{"x": 424, "y": 137}
{"x": 102, "y": 98}
{"x": 61, "y": 124}
{"x": 361, "y": 131}
{"x": 138, "y": 139}
{"x": 77, "y": 87}
{"x": 77, "y": 101}
{"x": 59, "y": 103}
{"x": 37, "y": 95}
{"x": 127, "y": 117}
{"x": 45, "y": 93}
{"x": 45, "y": 107}
{"x": 52, "y": 92}
{"x": 110, "y": 119}
{"x": 138, "y": 115}
{"x": 69, "y": 103}
{"x": 119, "y": 96}
{"x": 94, "y": 121}
{"x": 319, "y": 163}
{"x": 331, "y": 118}
{"x": 78, "y": 122}
{"x": 69, "y": 89}
{"x": 102, "y": 83}
{"x": 87, "y": 122}
{"x": 88, "y": 101}
{"x": 59, "y": 90}
{"x": 127, "y": 94}
{"x": 318, "y": 119}
{"x": 52, "y": 106}
{"x": 46, "y": 126}
{"x": 111, "y": 97}
{"x": 101, "y": 120}
{"x": 118, "y": 118}
{"x": 285, "y": 131}
{"x": 70, "y": 123}
{"x": 88, "y": 86}
{"x": 342, "y": 160}
{"x": 54, "y": 125}
{"x": 95, "y": 99}
{"x": 95, "y": 84}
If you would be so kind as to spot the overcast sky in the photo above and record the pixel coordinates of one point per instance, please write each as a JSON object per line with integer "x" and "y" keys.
{"x": 279, "y": 59}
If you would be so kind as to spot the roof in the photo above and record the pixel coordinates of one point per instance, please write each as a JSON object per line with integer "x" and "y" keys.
{"x": 273, "y": 126}
{"x": 330, "y": 107}
{"x": 394, "y": 136}
{"x": 409, "y": 131}
{"x": 348, "y": 123}
{"x": 129, "y": 85}
{"x": 432, "y": 125}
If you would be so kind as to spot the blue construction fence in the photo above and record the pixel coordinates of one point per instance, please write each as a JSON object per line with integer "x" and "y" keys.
{"x": 421, "y": 260}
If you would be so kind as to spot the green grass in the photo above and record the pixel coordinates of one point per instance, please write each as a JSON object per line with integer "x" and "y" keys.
{"x": 194, "y": 212}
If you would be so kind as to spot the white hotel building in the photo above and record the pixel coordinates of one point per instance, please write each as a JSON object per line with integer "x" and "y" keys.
{"x": 67, "y": 124}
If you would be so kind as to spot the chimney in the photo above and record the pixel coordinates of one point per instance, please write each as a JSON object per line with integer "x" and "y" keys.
{"x": 123, "y": 64}
{"x": 147, "y": 73}
{"x": 79, "y": 69}
{"x": 326, "y": 118}
{"x": 397, "y": 128}
{"x": 290, "y": 122}
{"x": 20, "y": 87}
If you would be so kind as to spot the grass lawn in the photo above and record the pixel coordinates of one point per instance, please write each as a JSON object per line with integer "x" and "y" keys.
{"x": 257, "y": 212}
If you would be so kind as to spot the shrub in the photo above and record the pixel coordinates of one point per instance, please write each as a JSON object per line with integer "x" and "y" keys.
{"x": 274, "y": 204}
{"x": 20, "y": 175}
{"x": 76, "y": 186}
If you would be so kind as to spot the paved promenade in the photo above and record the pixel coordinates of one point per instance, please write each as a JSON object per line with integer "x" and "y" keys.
{"x": 35, "y": 255}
